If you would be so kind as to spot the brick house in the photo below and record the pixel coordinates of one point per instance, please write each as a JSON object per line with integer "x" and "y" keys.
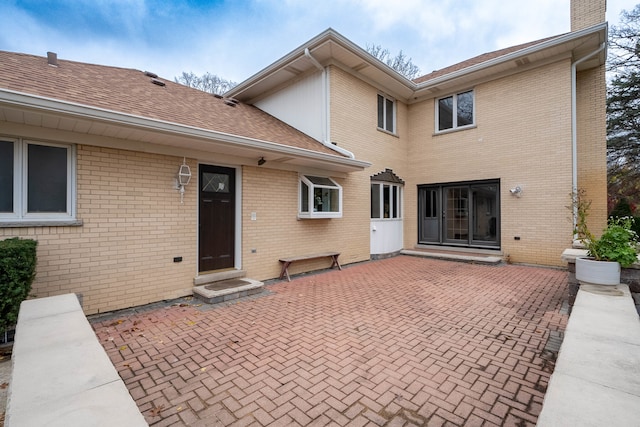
{"x": 326, "y": 149}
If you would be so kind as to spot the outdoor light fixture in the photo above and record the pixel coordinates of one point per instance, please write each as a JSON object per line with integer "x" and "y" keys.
{"x": 184, "y": 176}
{"x": 516, "y": 191}
{"x": 261, "y": 161}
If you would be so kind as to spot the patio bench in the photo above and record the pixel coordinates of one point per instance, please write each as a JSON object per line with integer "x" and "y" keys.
{"x": 286, "y": 262}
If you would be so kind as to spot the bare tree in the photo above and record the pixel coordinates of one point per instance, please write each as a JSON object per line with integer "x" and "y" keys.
{"x": 207, "y": 82}
{"x": 401, "y": 63}
{"x": 624, "y": 41}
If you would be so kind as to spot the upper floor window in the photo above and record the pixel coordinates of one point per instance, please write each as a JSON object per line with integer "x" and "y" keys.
{"x": 320, "y": 197}
{"x": 455, "y": 111}
{"x": 36, "y": 181}
{"x": 386, "y": 113}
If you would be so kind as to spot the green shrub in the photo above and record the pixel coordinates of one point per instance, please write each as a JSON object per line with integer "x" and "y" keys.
{"x": 17, "y": 271}
{"x": 617, "y": 243}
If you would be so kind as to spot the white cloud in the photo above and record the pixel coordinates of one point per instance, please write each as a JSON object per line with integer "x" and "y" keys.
{"x": 236, "y": 39}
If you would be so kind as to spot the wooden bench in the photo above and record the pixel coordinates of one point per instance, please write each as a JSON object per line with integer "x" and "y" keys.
{"x": 286, "y": 262}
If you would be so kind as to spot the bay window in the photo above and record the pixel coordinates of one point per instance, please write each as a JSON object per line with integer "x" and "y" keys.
{"x": 386, "y": 200}
{"x": 320, "y": 197}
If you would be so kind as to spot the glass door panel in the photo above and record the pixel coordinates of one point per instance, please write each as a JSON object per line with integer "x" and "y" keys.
{"x": 485, "y": 214}
{"x": 457, "y": 214}
{"x": 429, "y": 211}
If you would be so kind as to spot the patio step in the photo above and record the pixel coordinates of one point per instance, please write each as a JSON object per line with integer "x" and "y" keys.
{"x": 218, "y": 276}
{"x": 478, "y": 258}
{"x": 226, "y": 290}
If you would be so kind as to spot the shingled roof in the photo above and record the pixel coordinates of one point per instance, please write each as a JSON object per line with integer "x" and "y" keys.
{"x": 478, "y": 60}
{"x": 140, "y": 94}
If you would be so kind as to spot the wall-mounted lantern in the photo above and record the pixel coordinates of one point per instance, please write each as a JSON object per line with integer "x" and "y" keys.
{"x": 184, "y": 176}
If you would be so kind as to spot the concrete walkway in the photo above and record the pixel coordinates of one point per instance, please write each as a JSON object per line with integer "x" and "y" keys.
{"x": 404, "y": 341}
{"x": 597, "y": 378}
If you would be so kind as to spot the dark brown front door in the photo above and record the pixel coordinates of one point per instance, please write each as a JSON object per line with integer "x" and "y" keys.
{"x": 217, "y": 217}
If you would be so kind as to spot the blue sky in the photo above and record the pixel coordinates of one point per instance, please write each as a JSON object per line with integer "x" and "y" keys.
{"x": 235, "y": 39}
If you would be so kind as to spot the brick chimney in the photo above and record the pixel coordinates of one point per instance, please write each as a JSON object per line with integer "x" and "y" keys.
{"x": 587, "y": 13}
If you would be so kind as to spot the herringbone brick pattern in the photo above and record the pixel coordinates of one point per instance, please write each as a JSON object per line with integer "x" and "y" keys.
{"x": 398, "y": 342}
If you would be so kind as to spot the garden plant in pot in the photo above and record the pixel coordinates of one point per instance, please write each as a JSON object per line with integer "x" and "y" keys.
{"x": 617, "y": 246}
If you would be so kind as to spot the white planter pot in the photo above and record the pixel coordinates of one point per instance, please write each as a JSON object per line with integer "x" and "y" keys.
{"x": 597, "y": 272}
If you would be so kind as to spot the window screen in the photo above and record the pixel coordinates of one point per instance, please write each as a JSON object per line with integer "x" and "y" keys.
{"x": 47, "y": 178}
{"x": 6, "y": 176}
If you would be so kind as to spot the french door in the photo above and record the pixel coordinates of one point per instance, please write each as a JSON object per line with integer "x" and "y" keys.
{"x": 460, "y": 214}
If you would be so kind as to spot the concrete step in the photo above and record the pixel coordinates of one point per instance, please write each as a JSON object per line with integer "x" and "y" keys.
{"x": 463, "y": 257}
{"x": 227, "y": 290}
{"x": 218, "y": 276}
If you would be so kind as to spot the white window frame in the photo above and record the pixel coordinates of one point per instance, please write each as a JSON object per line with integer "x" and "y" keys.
{"x": 454, "y": 111}
{"x": 310, "y": 212}
{"x": 395, "y": 211}
{"x": 385, "y": 113}
{"x": 20, "y": 186}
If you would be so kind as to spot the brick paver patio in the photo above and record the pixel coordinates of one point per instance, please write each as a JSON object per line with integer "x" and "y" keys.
{"x": 398, "y": 342}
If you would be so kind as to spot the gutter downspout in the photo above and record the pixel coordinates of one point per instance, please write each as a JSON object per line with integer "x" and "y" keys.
{"x": 325, "y": 101}
{"x": 574, "y": 126}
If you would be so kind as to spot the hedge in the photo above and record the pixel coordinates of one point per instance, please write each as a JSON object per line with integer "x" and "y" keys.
{"x": 17, "y": 271}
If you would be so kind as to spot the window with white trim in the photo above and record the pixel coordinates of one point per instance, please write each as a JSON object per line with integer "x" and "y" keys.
{"x": 37, "y": 181}
{"x": 386, "y": 200}
{"x": 320, "y": 197}
{"x": 386, "y": 113}
{"x": 455, "y": 111}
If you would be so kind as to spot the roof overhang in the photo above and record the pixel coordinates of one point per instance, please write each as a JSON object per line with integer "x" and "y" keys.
{"x": 327, "y": 48}
{"x": 331, "y": 48}
{"x": 572, "y": 46}
{"x": 142, "y": 133}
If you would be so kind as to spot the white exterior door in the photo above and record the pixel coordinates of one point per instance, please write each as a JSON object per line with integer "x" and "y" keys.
{"x": 386, "y": 218}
